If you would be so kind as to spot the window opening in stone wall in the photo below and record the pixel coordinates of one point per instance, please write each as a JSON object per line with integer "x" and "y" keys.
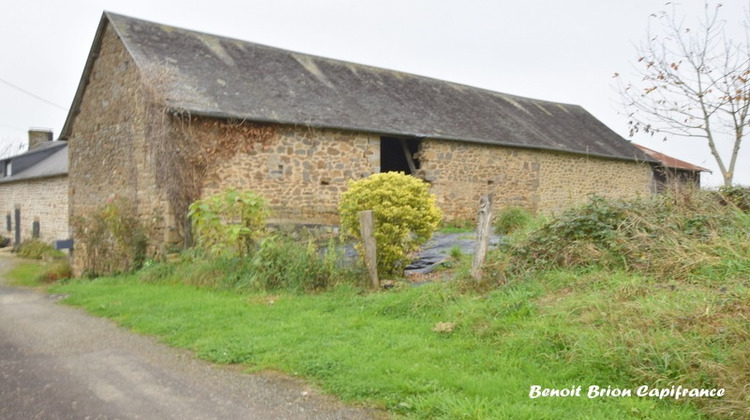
{"x": 397, "y": 155}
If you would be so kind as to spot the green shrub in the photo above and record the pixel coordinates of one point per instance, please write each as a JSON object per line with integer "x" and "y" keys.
{"x": 738, "y": 196}
{"x": 59, "y": 270}
{"x": 279, "y": 264}
{"x": 4, "y": 241}
{"x": 111, "y": 239}
{"x": 511, "y": 219}
{"x": 672, "y": 235}
{"x": 404, "y": 211}
{"x": 34, "y": 249}
{"x": 229, "y": 223}
{"x": 284, "y": 264}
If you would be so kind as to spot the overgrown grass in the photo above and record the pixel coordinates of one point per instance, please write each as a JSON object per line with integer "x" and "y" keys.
{"x": 576, "y": 314}
{"x": 35, "y": 274}
{"x": 279, "y": 264}
{"x": 25, "y": 273}
{"x": 672, "y": 236}
{"x": 381, "y": 349}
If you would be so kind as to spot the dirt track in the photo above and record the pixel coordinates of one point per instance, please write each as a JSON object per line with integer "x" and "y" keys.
{"x": 57, "y": 362}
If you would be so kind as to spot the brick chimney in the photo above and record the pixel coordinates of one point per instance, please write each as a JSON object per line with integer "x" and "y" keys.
{"x": 38, "y": 137}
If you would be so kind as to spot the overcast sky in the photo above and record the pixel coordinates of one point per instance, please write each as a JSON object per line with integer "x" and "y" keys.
{"x": 564, "y": 51}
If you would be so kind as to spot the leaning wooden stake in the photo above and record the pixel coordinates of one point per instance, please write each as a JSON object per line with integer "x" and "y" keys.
{"x": 366, "y": 229}
{"x": 483, "y": 236}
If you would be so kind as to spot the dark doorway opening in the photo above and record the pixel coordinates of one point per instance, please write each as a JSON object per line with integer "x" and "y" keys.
{"x": 397, "y": 155}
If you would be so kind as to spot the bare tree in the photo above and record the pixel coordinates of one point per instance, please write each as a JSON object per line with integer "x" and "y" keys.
{"x": 694, "y": 82}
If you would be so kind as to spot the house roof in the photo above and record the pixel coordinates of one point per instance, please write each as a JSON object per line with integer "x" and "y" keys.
{"x": 671, "y": 162}
{"x": 47, "y": 160}
{"x": 215, "y": 76}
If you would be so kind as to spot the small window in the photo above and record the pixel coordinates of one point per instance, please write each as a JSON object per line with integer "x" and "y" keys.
{"x": 397, "y": 155}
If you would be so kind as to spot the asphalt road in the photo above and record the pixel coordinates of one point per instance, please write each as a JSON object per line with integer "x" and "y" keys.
{"x": 57, "y": 362}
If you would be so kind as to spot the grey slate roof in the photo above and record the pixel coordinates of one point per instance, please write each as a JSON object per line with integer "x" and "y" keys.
{"x": 210, "y": 75}
{"x": 47, "y": 160}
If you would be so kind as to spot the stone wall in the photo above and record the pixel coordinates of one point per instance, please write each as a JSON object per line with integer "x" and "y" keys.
{"x": 540, "y": 181}
{"x": 300, "y": 171}
{"x": 303, "y": 172}
{"x": 108, "y": 152}
{"x": 42, "y": 199}
{"x": 460, "y": 173}
{"x": 568, "y": 179}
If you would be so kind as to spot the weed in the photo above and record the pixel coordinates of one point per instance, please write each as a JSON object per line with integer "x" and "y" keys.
{"x": 230, "y": 223}
{"x": 455, "y": 252}
{"x": 511, "y": 219}
{"x": 34, "y": 249}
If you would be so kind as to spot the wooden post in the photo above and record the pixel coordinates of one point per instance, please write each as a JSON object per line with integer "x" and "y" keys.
{"x": 366, "y": 229}
{"x": 483, "y": 235}
{"x": 409, "y": 157}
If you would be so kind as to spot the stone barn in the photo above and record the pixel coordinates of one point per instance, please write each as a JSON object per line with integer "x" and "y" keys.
{"x": 165, "y": 115}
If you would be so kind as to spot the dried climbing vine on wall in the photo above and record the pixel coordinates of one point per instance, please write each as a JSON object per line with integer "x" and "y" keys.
{"x": 192, "y": 145}
{"x": 184, "y": 147}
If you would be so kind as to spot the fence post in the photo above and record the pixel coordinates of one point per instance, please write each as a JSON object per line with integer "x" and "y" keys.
{"x": 483, "y": 235}
{"x": 366, "y": 229}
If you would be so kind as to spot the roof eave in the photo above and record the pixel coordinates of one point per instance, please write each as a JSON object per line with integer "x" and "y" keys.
{"x": 644, "y": 158}
{"x": 20, "y": 178}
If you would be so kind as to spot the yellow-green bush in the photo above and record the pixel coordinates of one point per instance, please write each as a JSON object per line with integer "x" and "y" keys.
{"x": 229, "y": 223}
{"x": 404, "y": 211}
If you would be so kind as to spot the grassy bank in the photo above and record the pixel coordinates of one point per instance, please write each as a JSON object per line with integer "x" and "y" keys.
{"x": 597, "y": 297}
{"x": 563, "y": 329}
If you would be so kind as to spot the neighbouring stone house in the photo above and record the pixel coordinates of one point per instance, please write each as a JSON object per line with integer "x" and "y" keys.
{"x": 34, "y": 190}
{"x": 669, "y": 172}
{"x": 165, "y": 115}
